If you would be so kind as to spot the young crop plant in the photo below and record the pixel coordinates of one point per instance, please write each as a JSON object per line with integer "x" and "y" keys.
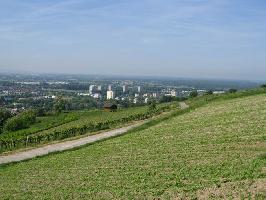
{"x": 216, "y": 151}
{"x": 82, "y": 123}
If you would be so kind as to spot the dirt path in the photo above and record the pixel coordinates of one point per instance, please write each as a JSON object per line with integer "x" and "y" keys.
{"x": 25, "y": 155}
{"x": 183, "y": 105}
{"x": 62, "y": 146}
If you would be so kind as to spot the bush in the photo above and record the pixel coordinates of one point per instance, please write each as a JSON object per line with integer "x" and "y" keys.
{"x": 4, "y": 115}
{"x": 152, "y": 105}
{"x": 263, "y": 86}
{"x": 40, "y": 112}
{"x": 166, "y": 99}
{"x": 59, "y": 105}
{"x": 209, "y": 92}
{"x": 232, "y": 90}
{"x": 20, "y": 121}
{"x": 194, "y": 93}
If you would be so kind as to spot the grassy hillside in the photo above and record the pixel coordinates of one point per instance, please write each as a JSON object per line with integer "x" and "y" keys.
{"x": 217, "y": 151}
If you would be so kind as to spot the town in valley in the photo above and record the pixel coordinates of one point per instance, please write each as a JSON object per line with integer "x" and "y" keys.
{"x": 41, "y": 91}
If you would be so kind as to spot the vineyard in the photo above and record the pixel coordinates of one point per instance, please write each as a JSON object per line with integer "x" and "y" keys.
{"x": 216, "y": 151}
{"x": 74, "y": 124}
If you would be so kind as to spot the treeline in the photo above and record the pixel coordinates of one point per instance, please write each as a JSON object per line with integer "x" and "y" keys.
{"x": 8, "y": 144}
{"x": 127, "y": 103}
{"x": 14, "y": 122}
{"x": 70, "y": 103}
{"x": 230, "y": 94}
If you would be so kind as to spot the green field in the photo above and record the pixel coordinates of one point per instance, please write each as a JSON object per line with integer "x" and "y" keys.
{"x": 216, "y": 151}
{"x": 70, "y": 119}
{"x": 67, "y": 125}
{"x": 43, "y": 123}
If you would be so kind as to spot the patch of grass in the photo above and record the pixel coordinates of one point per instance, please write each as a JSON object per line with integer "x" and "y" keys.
{"x": 212, "y": 146}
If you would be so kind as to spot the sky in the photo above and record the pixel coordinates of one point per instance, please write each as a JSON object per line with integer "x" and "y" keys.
{"x": 179, "y": 38}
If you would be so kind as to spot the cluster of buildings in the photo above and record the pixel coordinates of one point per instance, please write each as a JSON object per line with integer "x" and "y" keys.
{"x": 134, "y": 94}
{"x": 110, "y": 94}
{"x": 97, "y": 92}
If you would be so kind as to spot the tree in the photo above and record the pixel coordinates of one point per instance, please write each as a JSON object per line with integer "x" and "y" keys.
{"x": 263, "y": 86}
{"x": 209, "y": 92}
{"x": 166, "y": 99}
{"x": 20, "y": 121}
{"x": 232, "y": 90}
{"x": 59, "y": 105}
{"x": 152, "y": 105}
{"x": 4, "y": 115}
{"x": 40, "y": 112}
{"x": 125, "y": 103}
{"x": 193, "y": 94}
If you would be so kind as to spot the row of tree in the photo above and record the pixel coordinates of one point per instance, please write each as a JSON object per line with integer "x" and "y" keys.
{"x": 195, "y": 93}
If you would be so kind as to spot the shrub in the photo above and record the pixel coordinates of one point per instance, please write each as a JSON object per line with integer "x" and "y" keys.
{"x": 232, "y": 90}
{"x": 193, "y": 93}
{"x": 166, "y": 99}
{"x": 152, "y": 105}
{"x": 20, "y": 121}
{"x": 4, "y": 115}
{"x": 59, "y": 105}
{"x": 40, "y": 112}
{"x": 209, "y": 92}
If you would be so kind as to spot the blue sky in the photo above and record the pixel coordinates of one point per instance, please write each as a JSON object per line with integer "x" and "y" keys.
{"x": 183, "y": 38}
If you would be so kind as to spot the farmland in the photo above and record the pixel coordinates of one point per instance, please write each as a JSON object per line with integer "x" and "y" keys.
{"x": 72, "y": 124}
{"x": 215, "y": 151}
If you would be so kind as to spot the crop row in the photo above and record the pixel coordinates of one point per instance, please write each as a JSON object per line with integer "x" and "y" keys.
{"x": 10, "y": 144}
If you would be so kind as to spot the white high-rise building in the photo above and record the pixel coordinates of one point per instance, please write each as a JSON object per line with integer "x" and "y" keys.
{"x": 91, "y": 88}
{"x": 125, "y": 88}
{"x": 139, "y": 89}
{"x": 110, "y": 94}
{"x": 155, "y": 95}
{"x": 110, "y": 87}
{"x": 99, "y": 87}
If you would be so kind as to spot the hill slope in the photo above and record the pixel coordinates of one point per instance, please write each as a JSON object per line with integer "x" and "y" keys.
{"x": 218, "y": 149}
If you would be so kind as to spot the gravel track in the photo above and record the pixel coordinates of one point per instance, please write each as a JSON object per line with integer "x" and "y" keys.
{"x": 62, "y": 146}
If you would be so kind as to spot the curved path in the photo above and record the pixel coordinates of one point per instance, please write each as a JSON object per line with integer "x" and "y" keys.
{"x": 183, "y": 105}
{"x": 66, "y": 145}
{"x": 40, "y": 151}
